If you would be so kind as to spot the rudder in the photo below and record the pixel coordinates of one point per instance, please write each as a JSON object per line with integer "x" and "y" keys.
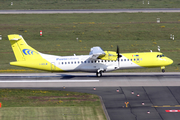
{"x": 22, "y": 51}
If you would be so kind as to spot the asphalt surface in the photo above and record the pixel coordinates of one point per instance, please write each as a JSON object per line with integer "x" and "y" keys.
{"x": 89, "y": 79}
{"x": 89, "y": 11}
{"x": 156, "y": 98}
{"x": 156, "y": 101}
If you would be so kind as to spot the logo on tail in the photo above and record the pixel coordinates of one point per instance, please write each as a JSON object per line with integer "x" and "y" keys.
{"x": 29, "y": 52}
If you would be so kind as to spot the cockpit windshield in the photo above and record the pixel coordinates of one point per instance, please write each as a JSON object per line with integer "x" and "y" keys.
{"x": 159, "y": 56}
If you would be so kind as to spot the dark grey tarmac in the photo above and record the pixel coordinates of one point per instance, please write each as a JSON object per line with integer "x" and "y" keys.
{"x": 156, "y": 98}
{"x": 89, "y": 79}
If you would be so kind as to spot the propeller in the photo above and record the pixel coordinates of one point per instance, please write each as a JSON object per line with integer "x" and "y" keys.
{"x": 118, "y": 55}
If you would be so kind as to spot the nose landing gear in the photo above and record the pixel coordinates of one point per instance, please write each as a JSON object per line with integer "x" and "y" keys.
{"x": 163, "y": 69}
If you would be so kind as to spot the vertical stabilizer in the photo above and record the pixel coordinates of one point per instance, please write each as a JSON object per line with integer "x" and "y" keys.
{"x": 22, "y": 51}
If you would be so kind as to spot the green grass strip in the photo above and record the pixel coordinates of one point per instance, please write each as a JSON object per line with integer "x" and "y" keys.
{"x": 49, "y": 113}
{"x": 20, "y": 104}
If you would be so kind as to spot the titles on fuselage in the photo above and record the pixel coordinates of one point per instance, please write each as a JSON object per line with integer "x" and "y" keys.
{"x": 67, "y": 58}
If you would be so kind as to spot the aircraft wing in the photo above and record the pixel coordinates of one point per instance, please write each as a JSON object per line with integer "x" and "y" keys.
{"x": 96, "y": 53}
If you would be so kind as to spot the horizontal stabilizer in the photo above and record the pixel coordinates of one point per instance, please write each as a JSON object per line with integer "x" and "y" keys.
{"x": 15, "y": 37}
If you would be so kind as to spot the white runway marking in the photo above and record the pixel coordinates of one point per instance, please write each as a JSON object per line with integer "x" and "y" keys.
{"x": 32, "y": 81}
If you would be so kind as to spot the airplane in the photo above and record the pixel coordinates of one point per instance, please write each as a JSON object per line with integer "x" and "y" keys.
{"x": 98, "y": 61}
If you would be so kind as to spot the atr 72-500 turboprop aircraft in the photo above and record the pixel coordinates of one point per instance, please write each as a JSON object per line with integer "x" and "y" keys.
{"x": 97, "y": 61}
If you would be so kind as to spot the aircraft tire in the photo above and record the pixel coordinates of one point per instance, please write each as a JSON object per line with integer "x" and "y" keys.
{"x": 163, "y": 70}
{"x": 99, "y": 74}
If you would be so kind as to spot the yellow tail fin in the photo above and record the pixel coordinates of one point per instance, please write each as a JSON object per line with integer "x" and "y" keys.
{"x": 22, "y": 51}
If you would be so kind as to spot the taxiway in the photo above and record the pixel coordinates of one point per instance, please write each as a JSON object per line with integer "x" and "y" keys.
{"x": 151, "y": 10}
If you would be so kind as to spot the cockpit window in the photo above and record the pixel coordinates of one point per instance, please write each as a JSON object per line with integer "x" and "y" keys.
{"x": 159, "y": 56}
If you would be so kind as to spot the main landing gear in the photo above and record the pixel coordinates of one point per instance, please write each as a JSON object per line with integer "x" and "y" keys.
{"x": 99, "y": 73}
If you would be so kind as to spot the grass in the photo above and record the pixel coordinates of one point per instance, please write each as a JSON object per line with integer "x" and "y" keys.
{"x": 42, "y": 104}
{"x": 49, "y": 113}
{"x": 40, "y": 98}
{"x": 133, "y": 32}
{"x": 87, "y": 4}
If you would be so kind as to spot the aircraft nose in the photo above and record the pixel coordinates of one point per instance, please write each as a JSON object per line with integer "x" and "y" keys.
{"x": 169, "y": 61}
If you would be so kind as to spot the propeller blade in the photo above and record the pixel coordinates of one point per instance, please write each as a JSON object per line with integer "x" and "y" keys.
{"x": 118, "y": 52}
{"x": 117, "y": 49}
{"x": 118, "y": 56}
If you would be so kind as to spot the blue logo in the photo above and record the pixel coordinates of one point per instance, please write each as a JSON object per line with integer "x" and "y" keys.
{"x": 29, "y": 52}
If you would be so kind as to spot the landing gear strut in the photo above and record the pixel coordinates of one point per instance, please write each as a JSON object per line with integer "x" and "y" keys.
{"x": 99, "y": 74}
{"x": 163, "y": 69}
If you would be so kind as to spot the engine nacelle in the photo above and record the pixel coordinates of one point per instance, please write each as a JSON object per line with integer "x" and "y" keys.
{"x": 109, "y": 55}
{"x": 111, "y": 68}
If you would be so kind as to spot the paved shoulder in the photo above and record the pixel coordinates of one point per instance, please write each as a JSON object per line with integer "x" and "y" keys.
{"x": 89, "y": 11}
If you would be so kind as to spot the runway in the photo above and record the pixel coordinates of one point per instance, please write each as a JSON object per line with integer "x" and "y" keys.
{"x": 88, "y": 79}
{"x": 158, "y": 91}
{"x": 150, "y": 10}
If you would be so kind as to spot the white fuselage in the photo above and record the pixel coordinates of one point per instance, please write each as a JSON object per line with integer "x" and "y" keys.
{"x": 86, "y": 63}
